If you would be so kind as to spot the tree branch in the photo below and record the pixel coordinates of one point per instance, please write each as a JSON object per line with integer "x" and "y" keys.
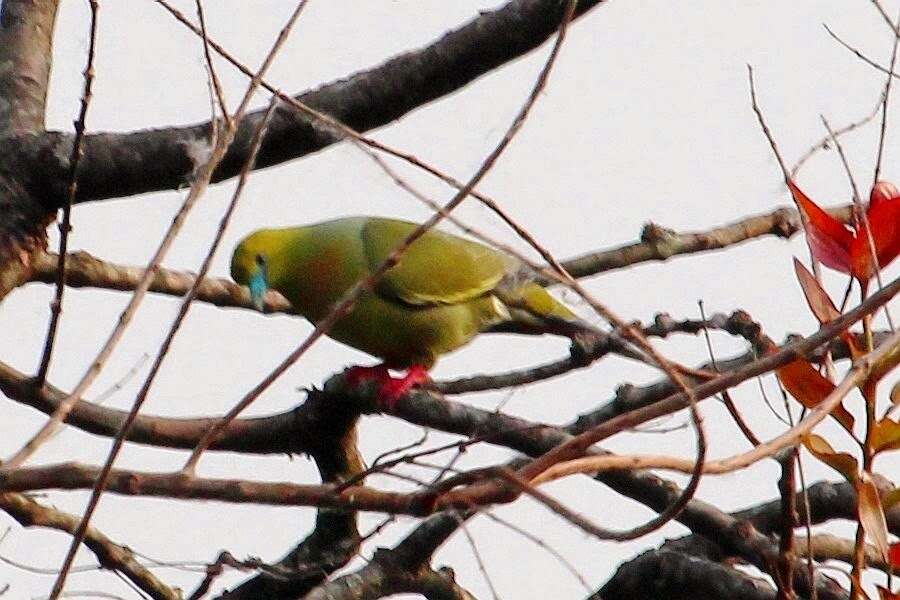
{"x": 394, "y": 570}
{"x": 26, "y": 51}
{"x": 657, "y": 244}
{"x": 124, "y": 164}
{"x": 335, "y": 540}
{"x": 110, "y": 554}
{"x": 666, "y": 575}
{"x": 75, "y": 476}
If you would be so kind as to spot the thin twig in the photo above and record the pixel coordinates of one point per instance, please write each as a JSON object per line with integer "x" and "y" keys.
{"x": 726, "y": 397}
{"x": 543, "y": 545}
{"x": 210, "y": 66}
{"x": 482, "y": 567}
{"x": 110, "y": 554}
{"x": 787, "y": 486}
{"x": 885, "y": 101}
{"x": 141, "y": 397}
{"x": 859, "y": 54}
{"x": 804, "y": 220}
{"x": 66, "y": 225}
{"x": 822, "y": 144}
{"x": 807, "y": 526}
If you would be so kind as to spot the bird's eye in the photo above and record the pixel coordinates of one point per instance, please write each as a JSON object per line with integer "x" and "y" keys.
{"x": 260, "y": 259}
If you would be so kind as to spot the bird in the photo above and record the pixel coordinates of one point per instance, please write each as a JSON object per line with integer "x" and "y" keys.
{"x": 442, "y": 293}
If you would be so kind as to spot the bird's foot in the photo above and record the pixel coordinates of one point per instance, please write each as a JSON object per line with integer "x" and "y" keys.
{"x": 390, "y": 389}
{"x": 393, "y": 389}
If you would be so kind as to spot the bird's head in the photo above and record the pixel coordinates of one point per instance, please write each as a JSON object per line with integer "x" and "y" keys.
{"x": 250, "y": 266}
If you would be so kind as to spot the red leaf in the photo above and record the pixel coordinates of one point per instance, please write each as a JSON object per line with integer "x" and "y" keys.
{"x": 894, "y": 555}
{"x": 884, "y": 223}
{"x": 828, "y": 238}
{"x": 883, "y": 190}
{"x": 805, "y": 384}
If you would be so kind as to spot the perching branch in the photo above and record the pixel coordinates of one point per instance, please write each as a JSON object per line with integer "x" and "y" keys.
{"x": 85, "y": 270}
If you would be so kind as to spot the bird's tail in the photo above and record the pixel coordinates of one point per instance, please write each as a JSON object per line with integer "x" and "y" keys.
{"x": 534, "y": 311}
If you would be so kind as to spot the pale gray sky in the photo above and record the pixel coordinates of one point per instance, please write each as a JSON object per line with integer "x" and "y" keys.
{"x": 645, "y": 118}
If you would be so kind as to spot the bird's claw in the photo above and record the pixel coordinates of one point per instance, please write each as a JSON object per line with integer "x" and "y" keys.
{"x": 394, "y": 389}
{"x": 390, "y": 389}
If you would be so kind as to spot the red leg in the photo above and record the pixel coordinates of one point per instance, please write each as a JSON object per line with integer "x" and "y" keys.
{"x": 390, "y": 390}
{"x": 394, "y": 389}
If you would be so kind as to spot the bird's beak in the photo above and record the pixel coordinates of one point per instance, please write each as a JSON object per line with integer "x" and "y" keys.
{"x": 258, "y": 286}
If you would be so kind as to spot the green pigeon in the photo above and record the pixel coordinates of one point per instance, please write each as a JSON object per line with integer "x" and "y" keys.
{"x": 443, "y": 292}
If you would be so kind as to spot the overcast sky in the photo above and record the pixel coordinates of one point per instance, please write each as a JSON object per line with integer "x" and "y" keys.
{"x": 646, "y": 118}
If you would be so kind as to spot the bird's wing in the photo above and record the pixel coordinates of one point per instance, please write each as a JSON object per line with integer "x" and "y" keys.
{"x": 438, "y": 268}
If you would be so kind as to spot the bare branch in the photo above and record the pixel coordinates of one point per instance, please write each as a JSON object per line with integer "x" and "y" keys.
{"x": 676, "y": 576}
{"x": 658, "y": 244}
{"x": 26, "y": 46}
{"x": 85, "y": 270}
{"x": 75, "y": 476}
{"x": 110, "y": 554}
{"x": 117, "y": 165}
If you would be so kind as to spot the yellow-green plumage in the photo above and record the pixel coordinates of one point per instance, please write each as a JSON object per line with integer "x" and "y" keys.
{"x": 443, "y": 292}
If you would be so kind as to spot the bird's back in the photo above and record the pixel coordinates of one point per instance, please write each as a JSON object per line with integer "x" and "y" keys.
{"x": 442, "y": 292}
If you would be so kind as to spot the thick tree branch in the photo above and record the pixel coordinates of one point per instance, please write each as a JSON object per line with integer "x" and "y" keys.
{"x": 26, "y": 49}
{"x": 394, "y": 570}
{"x": 827, "y": 500}
{"x": 335, "y": 540}
{"x": 117, "y": 165}
{"x": 666, "y": 575}
{"x": 26, "y": 44}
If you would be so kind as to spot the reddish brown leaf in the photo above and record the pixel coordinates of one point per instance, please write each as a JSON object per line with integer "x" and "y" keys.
{"x": 817, "y": 298}
{"x": 810, "y": 388}
{"x": 886, "y": 436}
{"x": 885, "y": 365}
{"x": 871, "y": 514}
{"x": 886, "y": 594}
{"x": 828, "y": 238}
{"x": 841, "y": 462}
